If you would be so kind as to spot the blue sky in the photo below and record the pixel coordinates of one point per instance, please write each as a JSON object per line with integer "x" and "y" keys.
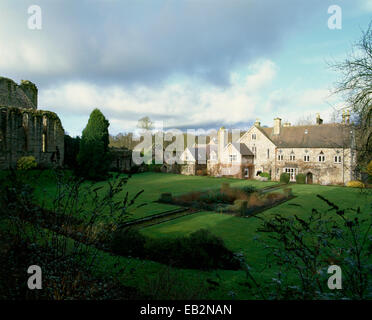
{"x": 186, "y": 64}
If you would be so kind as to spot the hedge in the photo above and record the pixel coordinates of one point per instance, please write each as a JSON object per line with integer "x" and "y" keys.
{"x": 301, "y": 178}
{"x": 265, "y": 175}
{"x": 284, "y": 177}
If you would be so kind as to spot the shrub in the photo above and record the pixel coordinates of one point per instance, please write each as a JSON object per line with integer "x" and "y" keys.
{"x": 341, "y": 239}
{"x": 255, "y": 201}
{"x": 248, "y": 189}
{"x": 26, "y": 163}
{"x": 284, "y": 177}
{"x": 201, "y": 250}
{"x": 72, "y": 146}
{"x": 355, "y": 184}
{"x": 369, "y": 168}
{"x": 199, "y": 172}
{"x": 166, "y": 197}
{"x": 301, "y": 178}
{"x": 240, "y": 205}
{"x": 128, "y": 242}
{"x": 275, "y": 196}
{"x": 154, "y": 167}
{"x": 225, "y": 186}
{"x": 265, "y": 175}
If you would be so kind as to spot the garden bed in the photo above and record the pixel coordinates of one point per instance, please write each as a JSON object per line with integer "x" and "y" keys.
{"x": 239, "y": 201}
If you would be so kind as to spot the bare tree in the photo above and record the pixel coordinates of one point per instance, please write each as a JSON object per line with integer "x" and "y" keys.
{"x": 305, "y": 120}
{"x": 145, "y": 123}
{"x": 355, "y": 87}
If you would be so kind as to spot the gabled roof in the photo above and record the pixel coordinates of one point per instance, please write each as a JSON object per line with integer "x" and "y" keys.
{"x": 331, "y": 135}
{"x": 243, "y": 149}
{"x": 202, "y": 150}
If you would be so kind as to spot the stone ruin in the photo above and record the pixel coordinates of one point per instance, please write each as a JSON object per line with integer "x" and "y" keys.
{"x": 25, "y": 130}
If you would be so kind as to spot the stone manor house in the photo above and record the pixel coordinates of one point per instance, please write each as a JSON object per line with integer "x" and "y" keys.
{"x": 25, "y": 130}
{"x": 325, "y": 153}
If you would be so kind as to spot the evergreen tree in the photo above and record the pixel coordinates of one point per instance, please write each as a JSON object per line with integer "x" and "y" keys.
{"x": 93, "y": 157}
{"x": 72, "y": 146}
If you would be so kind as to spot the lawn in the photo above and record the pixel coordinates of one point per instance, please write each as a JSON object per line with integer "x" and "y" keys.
{"x": 153, "y": 185}
{"x": 240, "y": 233}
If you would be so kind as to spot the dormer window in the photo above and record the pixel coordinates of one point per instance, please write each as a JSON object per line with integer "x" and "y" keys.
{"x": 338, "y": 159}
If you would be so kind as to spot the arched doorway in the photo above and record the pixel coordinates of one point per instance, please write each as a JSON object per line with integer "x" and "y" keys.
{"x": 309, "y": 178}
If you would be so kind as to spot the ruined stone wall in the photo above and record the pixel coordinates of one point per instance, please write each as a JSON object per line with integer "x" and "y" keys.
{"x": 22, "y": 132}
{"x": 19, "y": 96}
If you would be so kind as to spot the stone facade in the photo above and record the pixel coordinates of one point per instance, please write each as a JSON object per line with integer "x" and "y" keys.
{"x": 26, "y": 131}
{"x": 323, "y": 152}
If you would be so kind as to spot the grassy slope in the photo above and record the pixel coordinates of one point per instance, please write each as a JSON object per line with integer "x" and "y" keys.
{"x": 239, "y": 233}
{"x": 153, "y": 185}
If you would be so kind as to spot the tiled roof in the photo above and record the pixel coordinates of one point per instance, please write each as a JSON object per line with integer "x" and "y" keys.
{"x": 243, "y": 149}
{"x": 311, "y": 136}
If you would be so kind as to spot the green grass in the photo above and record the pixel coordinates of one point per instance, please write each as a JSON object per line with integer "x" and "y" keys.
{"x": 141, "y": 273}
{"x": 239, "y": 233}
{"x": 153, "y": 185}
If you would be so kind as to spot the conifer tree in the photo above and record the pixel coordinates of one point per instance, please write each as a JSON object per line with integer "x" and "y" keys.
{"x": 93, "y": 157}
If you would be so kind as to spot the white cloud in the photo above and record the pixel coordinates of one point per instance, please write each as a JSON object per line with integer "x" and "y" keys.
{"x": 186, "y": 103}
{"x": 190, "y": 102}
{"x": 292, "y": 104}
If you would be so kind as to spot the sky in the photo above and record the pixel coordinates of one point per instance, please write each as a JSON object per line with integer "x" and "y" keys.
{"x": 185, "y": 64}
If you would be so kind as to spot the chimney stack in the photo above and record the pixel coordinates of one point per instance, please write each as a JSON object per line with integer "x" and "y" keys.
{"x": 319, "y": 121}
{"x": 222, "y": 137}
{"x": 347, "y": 117}
{"x": 257, "y": 123}
{"x": 277, "y": 125}
{"x": 343, "y": 117}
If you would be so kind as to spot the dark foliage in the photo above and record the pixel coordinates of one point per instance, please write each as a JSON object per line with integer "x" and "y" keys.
{"x": 28, "y": 236}
{"x": 94, "y": 156}
{"x": 265, "y": 175}
{"x": 302, "y": 249}
{"x": 201, "y": 250}
{"x": 128, "y": 242}
{"x": 284, "y": 177}
{"x": 72, "y": 146}
{"x": 300, "y": 178}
